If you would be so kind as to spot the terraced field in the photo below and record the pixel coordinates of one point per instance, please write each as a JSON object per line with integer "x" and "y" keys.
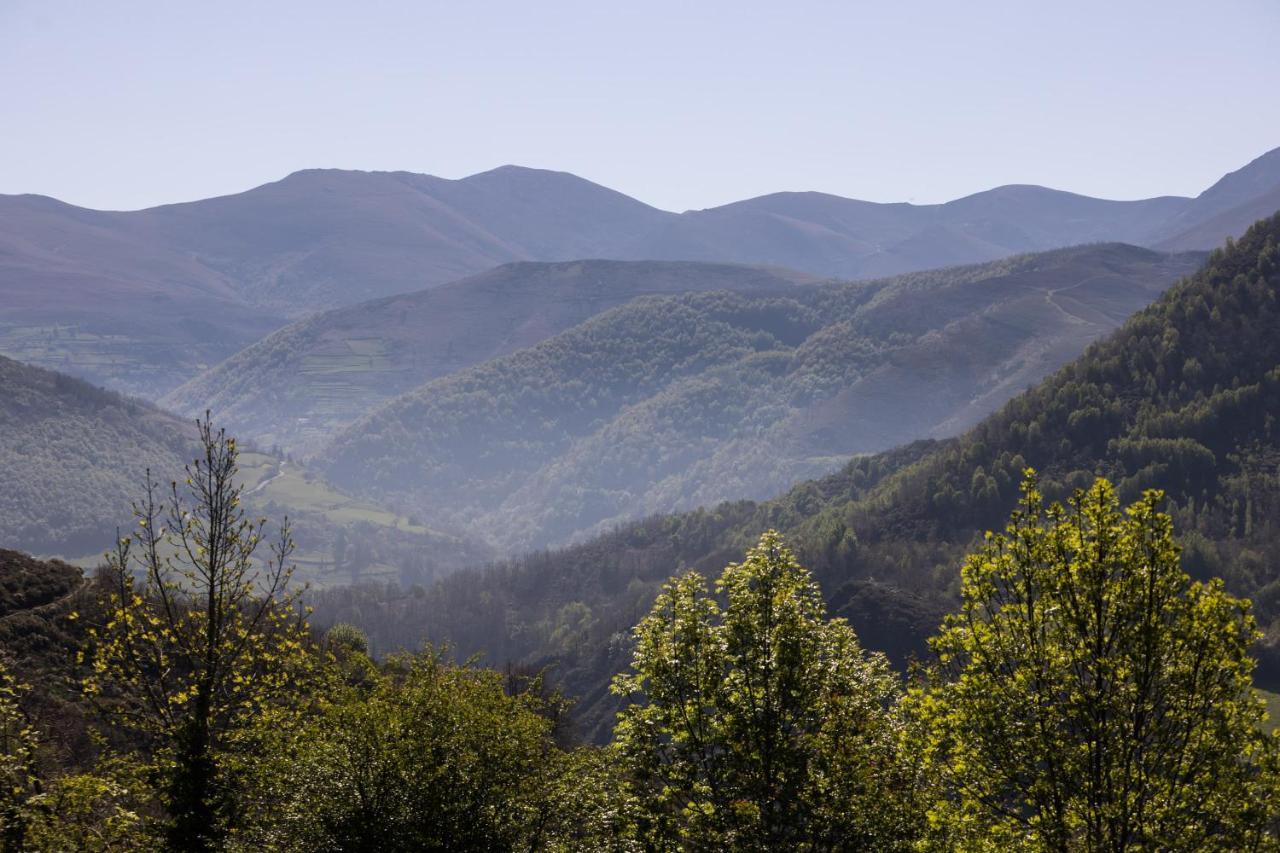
{"x": 136, "y": 365}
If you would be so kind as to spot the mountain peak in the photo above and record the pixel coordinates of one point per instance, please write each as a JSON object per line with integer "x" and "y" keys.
{"x": 1253, "y": 179}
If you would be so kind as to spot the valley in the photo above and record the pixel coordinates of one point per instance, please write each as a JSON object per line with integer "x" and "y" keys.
{"x": 1182, "y": 397}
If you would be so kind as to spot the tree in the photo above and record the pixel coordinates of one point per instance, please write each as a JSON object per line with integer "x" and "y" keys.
{"x": 18, "y": 779}
{"x": 50, "y": 808}
{"x": 200, "y": 637}
{"x": 761, "y": 725}
{"x": 432, "y": 756}
{"x": 1088, "y": 695}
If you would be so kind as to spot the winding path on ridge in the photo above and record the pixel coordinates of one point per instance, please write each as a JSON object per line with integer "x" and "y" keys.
{"x": 42, "y": 609}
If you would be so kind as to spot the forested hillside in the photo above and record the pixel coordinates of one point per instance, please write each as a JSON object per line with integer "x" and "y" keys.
{"x": 73, "y": 457}
{"x": 300, "y": 385}
{"x": 1184, "y": 397}
{"x": 671, "y": 403}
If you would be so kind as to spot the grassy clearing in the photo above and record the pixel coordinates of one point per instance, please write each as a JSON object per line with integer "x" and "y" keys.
{"x": 301, "y": 492}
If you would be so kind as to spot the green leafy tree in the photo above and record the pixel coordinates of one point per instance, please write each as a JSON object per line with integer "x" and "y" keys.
{"x": 760, "y": 725}
{"x": 200, "y": 637}
{"x": 431, "y": 757}
{"x": 18, "y": 780}
{"x": 92, "y": 812}
{"x": 1089, "y": 696}
{"x": 39, "y": 811}
{"x": 346, "y": 639}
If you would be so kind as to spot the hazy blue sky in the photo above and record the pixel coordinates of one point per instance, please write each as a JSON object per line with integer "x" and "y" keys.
{"x": 682, "y": 104}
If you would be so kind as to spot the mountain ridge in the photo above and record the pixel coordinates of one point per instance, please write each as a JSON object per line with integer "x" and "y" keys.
{"x": 238, "y": 266}
{"x": 303, "y": 382}
{"x": 74, "y": 456}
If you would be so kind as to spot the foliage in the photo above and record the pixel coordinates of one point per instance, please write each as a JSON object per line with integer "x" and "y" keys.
{"x": 431, "y": 757}
{"x": 17, "y": 763}
{"x": 754, "y": 723}
{"x": 203, "y": 643}
{"x": 760, "y": 725}
{"x": 1089, "y": 695}
{"x": 102, "y": 811}
{"x": 72, "y": 811}
{"x": 346, "y": 639}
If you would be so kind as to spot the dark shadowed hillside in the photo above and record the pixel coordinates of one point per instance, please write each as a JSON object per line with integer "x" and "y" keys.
{"x": 298, "y": 386}
{"x": 113, "y": 296}
{"x": 671, "y": 403}
{"x": 1184, "y": 397}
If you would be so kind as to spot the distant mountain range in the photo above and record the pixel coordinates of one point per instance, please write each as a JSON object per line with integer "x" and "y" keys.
{"x": 144, "y": 300}
{"x": 672, "y": 402}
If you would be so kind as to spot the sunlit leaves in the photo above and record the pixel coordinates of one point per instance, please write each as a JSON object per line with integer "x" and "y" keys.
{"x": 758, "y": 723}
{"x": 1088, "y": 695}
{"x": 201, "y": 636}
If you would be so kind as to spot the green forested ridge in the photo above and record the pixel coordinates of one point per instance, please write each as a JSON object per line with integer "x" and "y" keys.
{"x": 296, "y": 387}
{"x": 675, "y": 402}
{"x": 1183, "y": 397}
{"x": 72, "y": 456}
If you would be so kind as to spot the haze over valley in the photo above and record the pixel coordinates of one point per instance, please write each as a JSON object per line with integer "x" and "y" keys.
{"x": 460, "y": 375}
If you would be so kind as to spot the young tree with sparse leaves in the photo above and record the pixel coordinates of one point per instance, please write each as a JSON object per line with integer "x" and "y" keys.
{"x": 1089, "y": 696}
{"x": 201, "y": 636}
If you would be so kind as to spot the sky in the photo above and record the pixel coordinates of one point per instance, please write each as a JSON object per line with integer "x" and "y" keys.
{"x": 683, "y": 105}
